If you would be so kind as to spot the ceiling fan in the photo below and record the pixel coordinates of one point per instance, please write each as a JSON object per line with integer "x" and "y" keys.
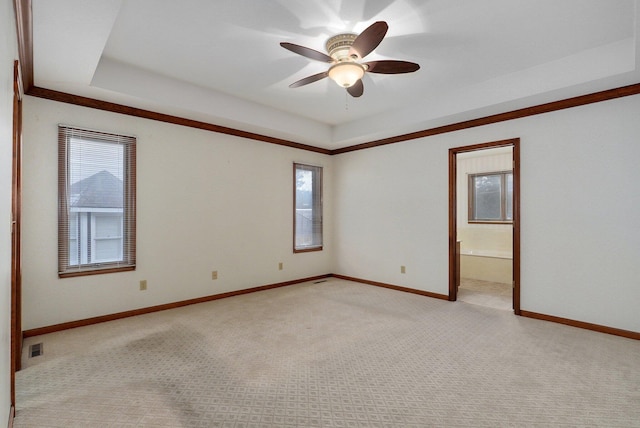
{"x": 345, "y": 51}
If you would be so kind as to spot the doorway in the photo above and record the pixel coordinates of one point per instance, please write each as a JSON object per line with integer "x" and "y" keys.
{"x": 501, "y": 222}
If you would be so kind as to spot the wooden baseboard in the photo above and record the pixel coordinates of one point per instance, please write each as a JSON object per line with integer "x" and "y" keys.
{"x": 142, "y": 311}
{"x": 581, "y": 324}
{"x": 393, "y": 287}
{"x": 12, "y": 414}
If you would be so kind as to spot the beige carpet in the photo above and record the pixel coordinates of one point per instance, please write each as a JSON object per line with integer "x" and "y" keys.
{"x": 486, "y": 293}
{"x": 333, "y": 354}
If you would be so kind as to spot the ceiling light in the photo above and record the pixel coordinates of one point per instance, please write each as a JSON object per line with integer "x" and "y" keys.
{"x": 346, "y": 74}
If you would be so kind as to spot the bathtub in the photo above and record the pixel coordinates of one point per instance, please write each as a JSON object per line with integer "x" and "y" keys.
{"x": 487, "y": 265}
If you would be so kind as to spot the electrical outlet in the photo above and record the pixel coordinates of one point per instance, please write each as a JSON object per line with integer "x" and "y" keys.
{"x": 280, "y": 266}
{"x": 403, "y": 269}
{"x": 143, "y": 285}
{"x": 214, "y": 274}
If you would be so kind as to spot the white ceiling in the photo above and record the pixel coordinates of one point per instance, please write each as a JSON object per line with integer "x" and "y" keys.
{"x": 220, "y": 61}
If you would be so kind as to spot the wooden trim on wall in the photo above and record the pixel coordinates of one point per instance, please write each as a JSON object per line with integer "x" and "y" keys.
{"x": 392, "y": 287}
{"x": 581, "y": 100}
{"x": 142, "y": 311}
{"x": 24, "y": 28}
{"x": 453, "y": 228}
{"x": 514, "y": 143}
{"x": 95, "y": 320}
{"x": 16, "y": 231}
{"x": 581, "y": 324}
{"x": 516, "y": 227}
{"x": 24, "y": 24}
{"x": 24, "y": 20}
{"x": 527, "y": 314}
{"x": 63, "y": 97}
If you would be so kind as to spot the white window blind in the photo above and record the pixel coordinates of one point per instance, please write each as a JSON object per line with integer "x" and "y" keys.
{"x": 96, "y": 202}
{"x": 307, "y": 225}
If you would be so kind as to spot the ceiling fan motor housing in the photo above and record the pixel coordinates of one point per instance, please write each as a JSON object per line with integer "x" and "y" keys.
{"x": 338, "y": 46}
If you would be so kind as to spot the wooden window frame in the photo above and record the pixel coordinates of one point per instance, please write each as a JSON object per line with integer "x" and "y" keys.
{"x": 503, "y": 198}
{"x": 317, "y": 204}
{"x": 128, "y": 262}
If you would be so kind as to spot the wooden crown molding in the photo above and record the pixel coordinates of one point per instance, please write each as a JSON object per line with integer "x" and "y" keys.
{"x": 64, "y": 97}
{"x": 581, "y": 100}
{"x": 25, "y": 46}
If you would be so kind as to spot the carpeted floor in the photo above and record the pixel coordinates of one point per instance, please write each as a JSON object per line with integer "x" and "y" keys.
{"x": 485, "y": 293}
{"x": 333, "y": 354}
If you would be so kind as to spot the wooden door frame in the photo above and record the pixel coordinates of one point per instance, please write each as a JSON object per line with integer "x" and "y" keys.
{"x": 16, "y": 209}
{"x": 453, "y": 220}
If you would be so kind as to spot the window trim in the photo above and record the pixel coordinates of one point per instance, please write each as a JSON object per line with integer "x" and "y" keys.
{"x": 128, "y": 263}
{"x": 319, "y": 170}
{"x": 503, "y": 198}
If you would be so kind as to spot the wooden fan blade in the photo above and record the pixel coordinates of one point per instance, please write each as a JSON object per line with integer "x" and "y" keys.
{"x": 391, "y": 67}
{"x": 310, "y": 79}
{"x": 357, "y": 89}
{"x": 306, "y": 52}
{"x": 369, "y": 39}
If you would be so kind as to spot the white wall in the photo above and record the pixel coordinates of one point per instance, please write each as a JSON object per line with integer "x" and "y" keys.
{"x": 8, "y": 53}
{"x": 391, "y": 203}
{"x": 206, "y": 202}
{"x": 210, "y": 201}
{"x": 579, "y": 223}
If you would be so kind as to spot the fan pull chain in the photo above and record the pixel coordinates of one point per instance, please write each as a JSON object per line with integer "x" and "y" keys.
{"x": 346, "y": 101}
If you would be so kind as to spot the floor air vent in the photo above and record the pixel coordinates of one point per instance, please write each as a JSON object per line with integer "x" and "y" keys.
{"x": 35, "y": 350}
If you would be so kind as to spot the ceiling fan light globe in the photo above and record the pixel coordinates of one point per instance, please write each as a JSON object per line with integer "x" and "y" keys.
{"x": 346, "y": 74}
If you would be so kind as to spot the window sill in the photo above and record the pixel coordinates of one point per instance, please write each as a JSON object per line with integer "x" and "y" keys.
{"x": 307, "y": 250}
{"x": 86, "y": 272}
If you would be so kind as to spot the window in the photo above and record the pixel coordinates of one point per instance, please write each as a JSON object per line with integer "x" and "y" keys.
{"x": 307, "y": 223}
{"x": 97, "y": 202}
{"x": 491, "y": 197}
